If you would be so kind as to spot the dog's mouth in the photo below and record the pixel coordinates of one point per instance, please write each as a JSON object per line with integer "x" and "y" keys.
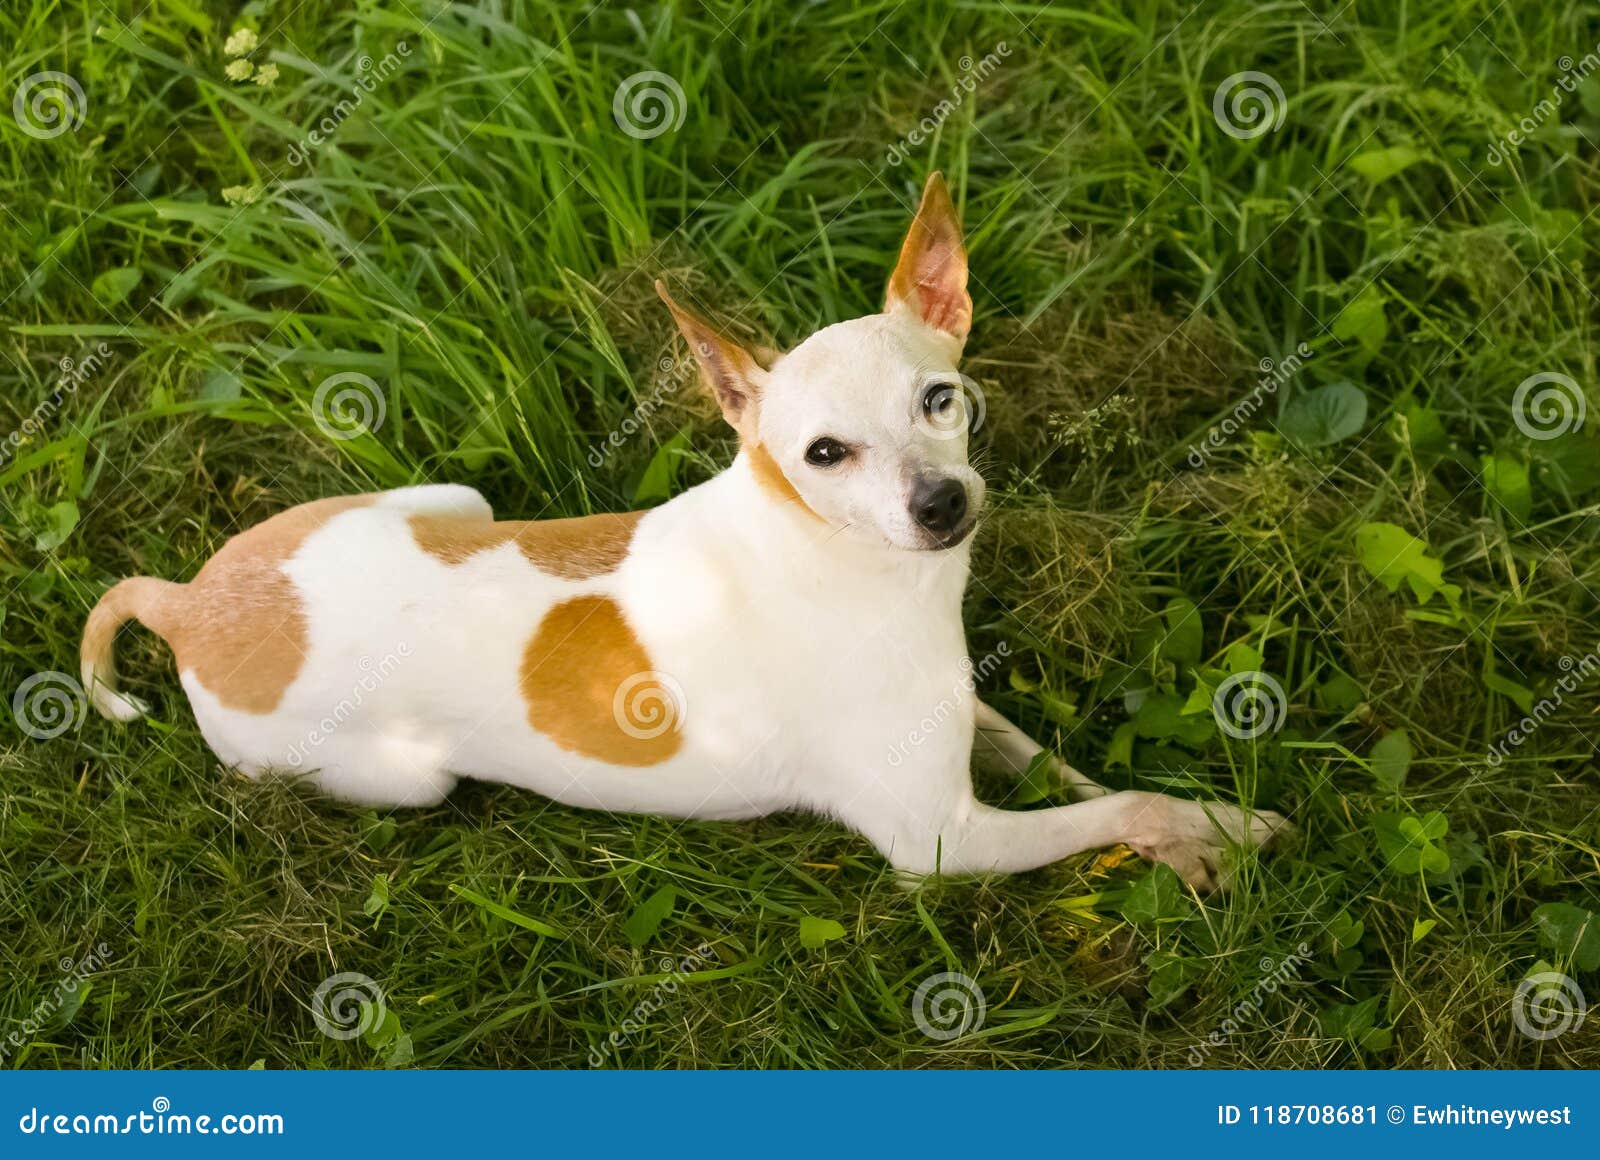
{"x": 937, "y": 542}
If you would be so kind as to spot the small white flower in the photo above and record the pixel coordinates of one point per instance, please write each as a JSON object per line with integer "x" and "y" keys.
{"x": 266, "y": 74}
{"x": 241, "y": 194}
{"x": 240, "y": 70}
{"x": 241, "y": 43}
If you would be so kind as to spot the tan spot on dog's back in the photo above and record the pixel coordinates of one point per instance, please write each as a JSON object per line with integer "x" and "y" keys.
{"x": 590, "y": 687}
{"x": 773, "y": 481}
{"x": 239, "y": 624}
{"x": 574, "y": 549}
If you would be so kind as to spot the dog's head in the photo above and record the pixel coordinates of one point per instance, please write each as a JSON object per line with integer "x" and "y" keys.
{"x": 865, "y": 423}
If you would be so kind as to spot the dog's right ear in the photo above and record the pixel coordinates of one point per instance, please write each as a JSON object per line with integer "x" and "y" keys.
{"x": 730, "y": 371}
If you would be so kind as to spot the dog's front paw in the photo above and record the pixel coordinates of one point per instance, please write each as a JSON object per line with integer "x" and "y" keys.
{"x": 1193, "y": 837}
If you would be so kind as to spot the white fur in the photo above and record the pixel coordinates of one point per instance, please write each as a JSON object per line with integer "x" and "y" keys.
{"x": 811, "y": 653}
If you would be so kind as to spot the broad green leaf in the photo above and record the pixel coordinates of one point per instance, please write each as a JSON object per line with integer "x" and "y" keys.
{"x": 378, "y": 900}
{"x": 1158, "y": 895}
{"x": 1243, "y": 657}
{"x": 63, "y": 518}
{"x": 116, "y": 284}
{"x": 1424, "y": 430}
{"x": 1339, "y": 693}
{"x": 1394, "y": 556}
{"x": 1390, "y": 758}
{"x": 1571, "y": 931}
{"x": 1171, "y": 976}
{"x": 1420, "y": 928}
{"x": 1120, "y": 749}
{"x": 648, "y": 916}
{"x": 1325, "y": 415}
{"x": 1381, "y": 164}
{"x": 1362, "y": 320}
{"x": 1161, "y": 717}
{"x": 1506, "y": 478}
{"x": 814, "y": 932}
{"x": 1185, "y": 635}
{"x": 661, "y": 473}
{"x": 1038, "y": 781}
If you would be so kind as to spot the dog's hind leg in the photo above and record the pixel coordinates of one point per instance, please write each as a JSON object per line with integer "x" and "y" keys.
{"x": 998, "y": 744}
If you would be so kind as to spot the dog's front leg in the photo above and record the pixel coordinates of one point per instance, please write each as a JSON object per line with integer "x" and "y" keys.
{"x": 923, "y": 834}
{"x": 1000, "y": 745}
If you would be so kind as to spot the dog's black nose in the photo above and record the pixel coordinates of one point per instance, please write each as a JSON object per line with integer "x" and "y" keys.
{"x": 939, "y": 505}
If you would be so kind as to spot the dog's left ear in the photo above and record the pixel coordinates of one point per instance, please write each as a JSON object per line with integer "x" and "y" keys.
{"x": 730, "y": 371}
{"x": 931, "y": 276}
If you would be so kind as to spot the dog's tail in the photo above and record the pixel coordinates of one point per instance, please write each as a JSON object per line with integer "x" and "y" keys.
{"x": 141, "y": 598}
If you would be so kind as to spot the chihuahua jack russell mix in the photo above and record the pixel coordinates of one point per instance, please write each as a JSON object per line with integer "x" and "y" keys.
{"x": 763, "y": 642}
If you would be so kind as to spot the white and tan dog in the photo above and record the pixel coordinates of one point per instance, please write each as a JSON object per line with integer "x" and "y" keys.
{"x": 768, "y": 640}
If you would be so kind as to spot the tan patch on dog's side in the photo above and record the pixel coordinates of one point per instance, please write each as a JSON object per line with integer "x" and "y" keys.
{"x": 773, "y": 481}
{"x": 239, "y": 625}
{"x": 590, "y": 687}
{"x": 573, "y": 549}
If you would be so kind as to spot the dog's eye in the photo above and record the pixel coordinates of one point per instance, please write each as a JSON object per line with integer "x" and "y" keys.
{"x": 826, "y": 452}
{"x": 945, "y": 403}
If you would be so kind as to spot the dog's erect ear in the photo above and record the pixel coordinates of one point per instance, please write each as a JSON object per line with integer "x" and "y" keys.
{"x": 727, "y": 368}
{"x": 931, "y": 276}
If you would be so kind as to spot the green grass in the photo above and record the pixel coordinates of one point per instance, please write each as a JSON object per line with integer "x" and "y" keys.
{"x": 479, "y": 237}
